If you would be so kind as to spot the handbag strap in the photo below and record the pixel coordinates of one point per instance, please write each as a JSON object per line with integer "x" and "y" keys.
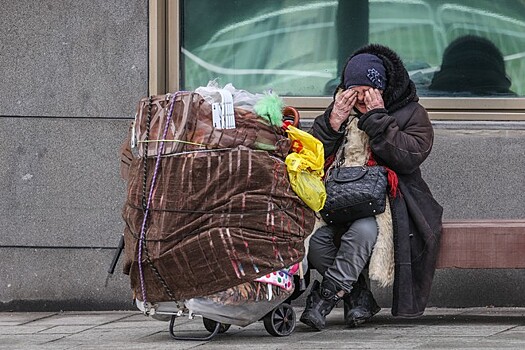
{"x": 338, "y": 159}
{"x": 340, "y": 154}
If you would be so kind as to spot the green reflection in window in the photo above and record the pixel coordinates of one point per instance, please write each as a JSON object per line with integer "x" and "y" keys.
{"x": 297, "y": 47}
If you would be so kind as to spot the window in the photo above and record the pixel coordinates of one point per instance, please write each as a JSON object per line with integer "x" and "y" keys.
{"x": 297, "y": 47}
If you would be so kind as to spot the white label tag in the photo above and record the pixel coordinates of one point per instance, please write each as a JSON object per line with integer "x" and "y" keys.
{"x": 216, "y": 115}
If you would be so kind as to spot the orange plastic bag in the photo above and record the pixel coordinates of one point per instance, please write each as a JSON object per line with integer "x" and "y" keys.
{"x": 305, "y": 165}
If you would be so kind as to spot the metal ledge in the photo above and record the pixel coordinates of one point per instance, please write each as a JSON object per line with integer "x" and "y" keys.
{"x": 478, "y": 125}
{"x": 457, "y": 125}
{"x": 483, "y": 109}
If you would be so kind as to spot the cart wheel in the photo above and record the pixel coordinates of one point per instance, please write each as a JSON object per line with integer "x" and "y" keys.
{"x": 211, "y": 324}
{"x": 280, "y": 322}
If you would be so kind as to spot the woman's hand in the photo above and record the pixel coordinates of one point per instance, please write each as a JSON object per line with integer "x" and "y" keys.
{"x": 343, "y": 104}
{"x": 373, "y": 99}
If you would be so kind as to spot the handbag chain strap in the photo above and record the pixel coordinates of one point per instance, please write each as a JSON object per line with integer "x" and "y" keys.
{"x": 340, "y": 154}
{"x": 339, "y": 159}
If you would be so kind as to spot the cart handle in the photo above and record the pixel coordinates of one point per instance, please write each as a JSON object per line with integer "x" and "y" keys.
{"x": 292, "y": 112}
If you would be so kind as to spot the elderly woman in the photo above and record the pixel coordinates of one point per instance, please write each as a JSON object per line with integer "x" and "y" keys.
{"x": 376, "y": 117}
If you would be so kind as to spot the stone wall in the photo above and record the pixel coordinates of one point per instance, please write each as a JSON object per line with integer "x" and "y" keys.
{"x": 72, "y": 74}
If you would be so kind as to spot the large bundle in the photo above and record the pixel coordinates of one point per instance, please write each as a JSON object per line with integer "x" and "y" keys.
{"x": 221, "y": 211}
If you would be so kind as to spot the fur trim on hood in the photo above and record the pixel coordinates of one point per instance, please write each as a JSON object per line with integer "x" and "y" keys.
{"x": 400, "y": 90}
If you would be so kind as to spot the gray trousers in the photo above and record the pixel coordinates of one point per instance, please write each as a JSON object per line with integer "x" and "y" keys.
{"x": 344, "y": 264}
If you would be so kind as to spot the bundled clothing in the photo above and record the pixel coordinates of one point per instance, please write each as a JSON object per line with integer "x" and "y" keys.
{"x": 400, "y": 137}
{"x": 221, "y": 210}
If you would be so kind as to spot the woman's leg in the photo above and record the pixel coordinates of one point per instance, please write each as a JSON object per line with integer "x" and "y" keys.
{"x": 352, "y": 256}
{"x": 337, "y": 266}
{"x": 322, "y": 250}
{"x": 321, "y": 255}
{"x": 359, "y": 304}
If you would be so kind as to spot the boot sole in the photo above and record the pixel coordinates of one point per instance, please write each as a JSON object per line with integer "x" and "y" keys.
{"x": 307, "y": 321}
{"x": 354, "y": 322}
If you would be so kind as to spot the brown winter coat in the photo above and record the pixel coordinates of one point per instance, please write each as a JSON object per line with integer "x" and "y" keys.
{"x": 401, "y": 138}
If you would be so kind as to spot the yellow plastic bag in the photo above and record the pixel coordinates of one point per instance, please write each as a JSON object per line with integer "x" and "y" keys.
{"x": 305, "y": 167}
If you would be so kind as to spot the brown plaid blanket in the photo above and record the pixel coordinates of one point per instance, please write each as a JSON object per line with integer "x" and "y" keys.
{"x": 217, "y": 218}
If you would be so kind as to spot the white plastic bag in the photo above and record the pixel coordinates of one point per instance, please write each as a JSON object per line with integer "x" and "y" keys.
{"x": 241, "y": 98}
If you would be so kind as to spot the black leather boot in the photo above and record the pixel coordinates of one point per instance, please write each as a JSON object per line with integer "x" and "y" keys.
{"x": 359, "y": 304}
{"x": 321, "y": 300}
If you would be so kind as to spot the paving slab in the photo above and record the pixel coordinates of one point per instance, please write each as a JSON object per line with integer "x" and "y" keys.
{"x": 472, "y": 328}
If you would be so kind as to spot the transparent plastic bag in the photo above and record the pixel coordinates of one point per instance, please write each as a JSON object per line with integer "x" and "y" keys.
{"x": 241, "y": 98}
{"x": 305, "y": 167}
{"x": 237, "y": 306}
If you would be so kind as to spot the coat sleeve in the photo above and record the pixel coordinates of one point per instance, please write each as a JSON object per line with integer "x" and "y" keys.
{"x": 402, "y": 149}
{"x": 323, "y": 131}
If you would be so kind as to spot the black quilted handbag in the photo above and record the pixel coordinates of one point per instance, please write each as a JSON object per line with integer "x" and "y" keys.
{"x": 353, "y": 193}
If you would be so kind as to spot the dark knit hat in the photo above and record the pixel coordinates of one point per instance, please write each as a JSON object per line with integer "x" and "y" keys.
{"x": 365, "y": 69}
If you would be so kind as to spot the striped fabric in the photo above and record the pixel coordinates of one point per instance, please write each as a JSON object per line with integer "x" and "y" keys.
{"x": 217, "y": 219}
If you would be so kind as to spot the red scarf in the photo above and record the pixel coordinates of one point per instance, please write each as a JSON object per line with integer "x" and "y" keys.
{"x": 392, "y": 176}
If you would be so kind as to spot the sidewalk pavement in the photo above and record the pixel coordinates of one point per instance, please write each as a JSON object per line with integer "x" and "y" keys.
{"x": 471, "y": 328}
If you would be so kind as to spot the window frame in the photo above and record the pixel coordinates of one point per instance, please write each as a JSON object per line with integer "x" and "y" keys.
{"x": 164, "y": 71}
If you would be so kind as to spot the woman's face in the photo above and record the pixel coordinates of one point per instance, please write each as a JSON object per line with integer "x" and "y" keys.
{"x": 360, "y": 102}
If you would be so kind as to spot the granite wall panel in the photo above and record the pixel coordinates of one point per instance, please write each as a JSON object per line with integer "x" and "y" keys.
{"x": 61, "y": 184}
{"x": 73, "y": 58}
{"x": 478, "y": 174}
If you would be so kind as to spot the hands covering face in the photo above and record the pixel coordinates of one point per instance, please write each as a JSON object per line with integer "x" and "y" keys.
{"x": 364, "y": 98}
{"x": 343, "y": 104}
{"x": 373, "y": 99}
